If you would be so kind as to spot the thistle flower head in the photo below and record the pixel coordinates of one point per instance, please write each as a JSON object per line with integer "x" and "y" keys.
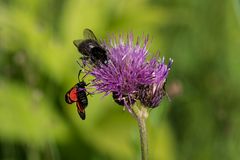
{"x": 128, "y": 75}
{"x": 120, "y": 67}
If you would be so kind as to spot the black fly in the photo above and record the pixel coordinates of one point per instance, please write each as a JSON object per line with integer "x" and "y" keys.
{"x": 91, "y": 50}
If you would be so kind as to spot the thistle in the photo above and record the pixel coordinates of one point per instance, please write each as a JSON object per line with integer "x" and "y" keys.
{"x": 134, "y": 82}
{"x": 128, "y": 76}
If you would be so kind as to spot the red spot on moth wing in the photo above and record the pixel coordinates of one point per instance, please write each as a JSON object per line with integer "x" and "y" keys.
{"x": 73, "y": 94}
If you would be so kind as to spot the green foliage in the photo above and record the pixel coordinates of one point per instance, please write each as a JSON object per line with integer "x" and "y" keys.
{"x": 38, "y": 65}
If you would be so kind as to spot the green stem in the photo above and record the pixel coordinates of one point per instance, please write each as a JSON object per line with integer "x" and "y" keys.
{"x": 143, "y": 137}
{"x": 141, "y": 115}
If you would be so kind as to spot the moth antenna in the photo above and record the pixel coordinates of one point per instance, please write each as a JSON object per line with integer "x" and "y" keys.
{"x": 79, "y": 64}
{"x": 84, "y": 77}
{"x": 79, "y": 74}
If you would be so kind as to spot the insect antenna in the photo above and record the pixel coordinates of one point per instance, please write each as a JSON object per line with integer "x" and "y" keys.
{"x": 81, "y": 66}
{"x": 79, "y": 74}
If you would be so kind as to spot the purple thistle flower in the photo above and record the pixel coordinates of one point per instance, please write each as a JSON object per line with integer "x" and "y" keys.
{"x": 120, "y": 67}
{"x": 128, "y": 75}
{"x": 151, "y": 95}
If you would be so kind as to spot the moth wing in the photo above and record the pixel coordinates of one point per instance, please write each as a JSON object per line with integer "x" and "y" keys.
{"x": 71, "y": 95}
{"x": 81, "y": 111}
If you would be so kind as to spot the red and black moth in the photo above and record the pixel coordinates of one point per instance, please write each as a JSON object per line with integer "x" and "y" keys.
{"x": 78, "y": 94}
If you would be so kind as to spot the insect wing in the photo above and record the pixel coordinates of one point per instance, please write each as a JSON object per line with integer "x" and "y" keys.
{"x": 88, "y": 34}
{"x": 81, "y": 110}
{"x": 71, "y": 95}
{"x": 77, "y": 42}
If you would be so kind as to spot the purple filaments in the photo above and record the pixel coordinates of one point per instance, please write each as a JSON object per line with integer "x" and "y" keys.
{"x": 129, "y": 76}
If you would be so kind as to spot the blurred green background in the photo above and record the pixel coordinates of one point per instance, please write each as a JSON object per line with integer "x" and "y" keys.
{"x": 38, "y": 65}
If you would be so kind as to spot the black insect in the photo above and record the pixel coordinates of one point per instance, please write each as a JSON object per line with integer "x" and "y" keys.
{"x": 116, "y": 99}
{"x": 124, "y": 100}
{"x": 78, "y": 94}
{"x": 90, "y": 48}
